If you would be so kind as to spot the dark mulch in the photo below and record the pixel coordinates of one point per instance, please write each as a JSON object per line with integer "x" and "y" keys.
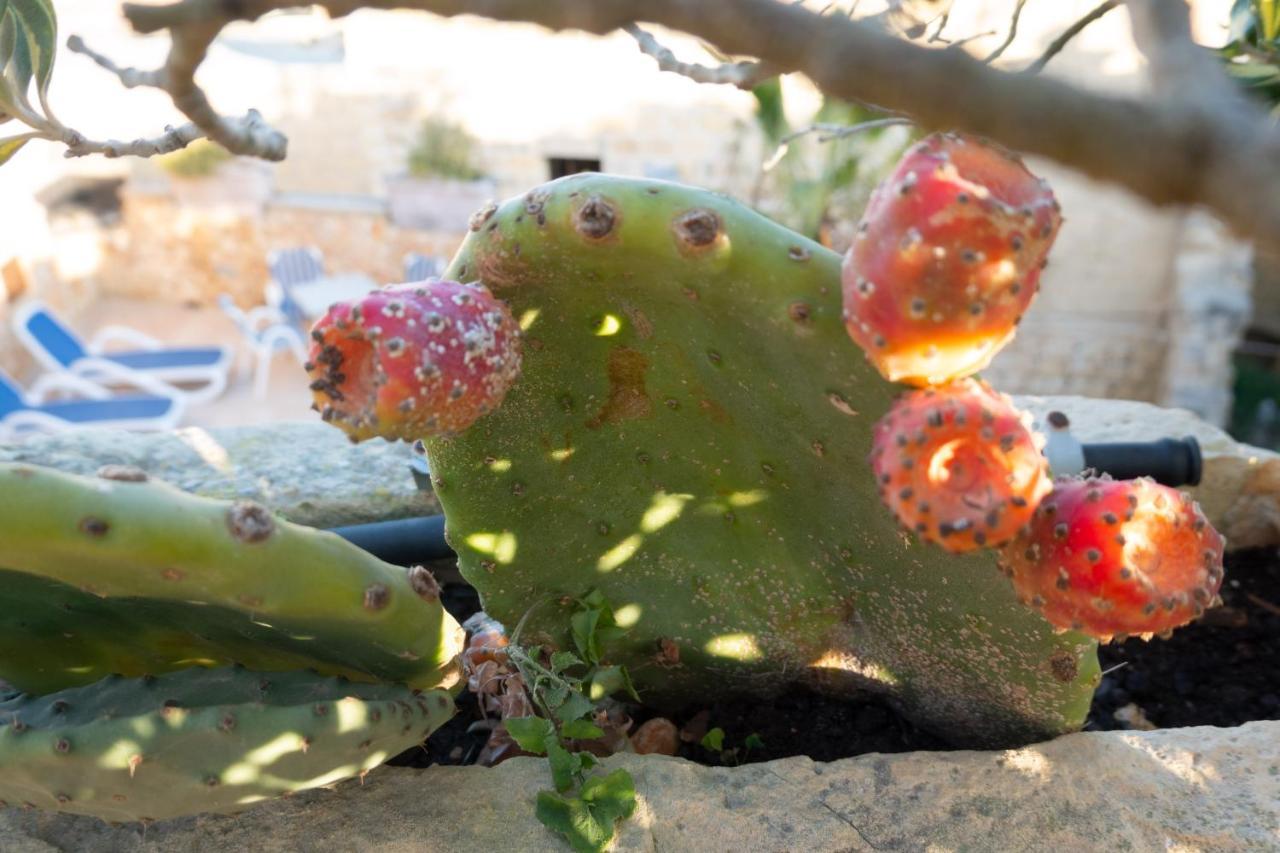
{"x": 1221, "y": 671}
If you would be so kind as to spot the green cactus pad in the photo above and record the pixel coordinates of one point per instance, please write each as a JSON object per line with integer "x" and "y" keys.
{"x": 202, "y": 740}
{"x": 690, "y": 436}
{"x": 108, "y": 576}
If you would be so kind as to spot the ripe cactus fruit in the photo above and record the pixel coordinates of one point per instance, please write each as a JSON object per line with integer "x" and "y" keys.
{"x": 137, "y": 577}
{"x": 947, "y": 259}
{"x": 413, "y": 360}
{"x": 1117, "y": 557}
{"x": 202, "y": 740}
{"x": 689, "y": 436}
{"x": 958, "y": 465}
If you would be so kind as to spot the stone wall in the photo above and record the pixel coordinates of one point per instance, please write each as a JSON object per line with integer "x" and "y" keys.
{"x": 190, "y": 246}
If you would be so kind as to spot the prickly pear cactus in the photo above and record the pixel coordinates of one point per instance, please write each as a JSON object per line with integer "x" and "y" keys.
{"x": 690, "y": 435}
{"x": 105, "y": 576}
{"x": 202, "y": 740}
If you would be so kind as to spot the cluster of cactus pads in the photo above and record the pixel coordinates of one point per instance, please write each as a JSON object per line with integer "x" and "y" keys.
{"x": 180, "y": 654}
{"x": 946, "y": 261}
{"x": 689, "y": 435}
{"x": 640, "y": 389}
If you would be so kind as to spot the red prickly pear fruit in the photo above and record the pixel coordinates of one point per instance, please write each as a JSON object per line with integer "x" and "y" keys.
{"x": 958, "y": 465}
{"x": 947, "y": 259}
{"x": 1117, "y": 557}
{"x": 413, "y": 360}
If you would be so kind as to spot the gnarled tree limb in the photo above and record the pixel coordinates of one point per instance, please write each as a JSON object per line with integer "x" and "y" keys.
{"x": 1181, "y": 149}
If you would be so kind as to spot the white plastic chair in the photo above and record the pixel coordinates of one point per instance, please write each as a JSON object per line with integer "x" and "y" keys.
{"x": 290, "y": 269}
{"x": 266, "y": 332}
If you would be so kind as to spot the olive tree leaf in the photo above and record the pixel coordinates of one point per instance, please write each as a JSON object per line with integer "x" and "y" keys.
{"x": 41, "y": 27}
{"x": 11, "y": 62}
{"x": 11, "y": 146}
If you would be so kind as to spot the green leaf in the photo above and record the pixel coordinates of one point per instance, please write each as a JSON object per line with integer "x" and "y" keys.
{"x": 575, "y": 706}
{"x": 587, "y": 820}
{"x": 41, "y": 25}
{"x": 608, "y": 680}
{"x": 581, "y": 730}
{"x": 572, "y": 818}
{"x": 713, "y": 740}
{"x": 611, "y": 798}
{"x": 560, "y": 661}
{"x": 565, "y": 766}
{"x": 11, "y": 146}
{"x": 555, "y": 695}
{"x": 771, "y": 116}
{"x": 588, "y": 760}
{"x": 584, "y": 624}
{"x": 753, "y": 741}
{"x": 532, "y": 734}
{"x": 1269, "y": 18}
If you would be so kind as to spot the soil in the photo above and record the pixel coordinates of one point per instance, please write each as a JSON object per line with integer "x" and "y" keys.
{"x": 1221, "y": 671}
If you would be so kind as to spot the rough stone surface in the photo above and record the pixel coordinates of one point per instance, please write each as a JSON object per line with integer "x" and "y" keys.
{"x": 1240, "y": 489}
{"x": 307, "y": 472}
{"x": 1175, "y": 789}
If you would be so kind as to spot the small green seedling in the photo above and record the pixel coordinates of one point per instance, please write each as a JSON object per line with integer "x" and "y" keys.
{"x": 566, "y": 688}
{"x": 713, "y": 741}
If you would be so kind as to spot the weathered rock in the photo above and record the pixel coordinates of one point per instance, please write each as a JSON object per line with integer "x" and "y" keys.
{"x": 1174, "y": 789}
{"x": 307, "y": 472}
{"x": 1240, "y": 489}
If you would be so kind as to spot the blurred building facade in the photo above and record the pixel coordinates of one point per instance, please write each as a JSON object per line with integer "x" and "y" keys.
{"x": 1137, "y": 302}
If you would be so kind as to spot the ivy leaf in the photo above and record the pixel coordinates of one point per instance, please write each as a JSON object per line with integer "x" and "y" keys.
{"x": 581, "y": 730}
{"x": 587, "y": 820}
{"x": 11, "y": 146}
{"x": 41, "y": 25}
{"x": 532, "y": 734}
{"x": 713, "y": 740}
{"x": 753, "y": 741}
{"x": 565, "y": 766}
{"x": 560, "y": 661}
{"x": 575, "y": 706}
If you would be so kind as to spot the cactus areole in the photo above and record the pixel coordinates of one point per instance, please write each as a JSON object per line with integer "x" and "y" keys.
{"x": 689, "y": 435}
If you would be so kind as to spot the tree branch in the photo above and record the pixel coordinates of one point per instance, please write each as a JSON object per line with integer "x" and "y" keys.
{"x": 744, "y": 75}
{"x": 1055, "y": 47}
{"x": 1013, "y": 34}
{"x": 173, "y": 139}
{"x": 130, "y": 78}
{"x": 1211, "y": 152}
{"x": 248, "y": 135}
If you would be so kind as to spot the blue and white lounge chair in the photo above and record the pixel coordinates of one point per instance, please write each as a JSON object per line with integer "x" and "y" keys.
{"x": 24, "y": 414}
{"x": 421, "y": 267}
{"x": 291, "y": 268}
{"x": 266, "y": 332}
{"x": 152, "y": 367}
